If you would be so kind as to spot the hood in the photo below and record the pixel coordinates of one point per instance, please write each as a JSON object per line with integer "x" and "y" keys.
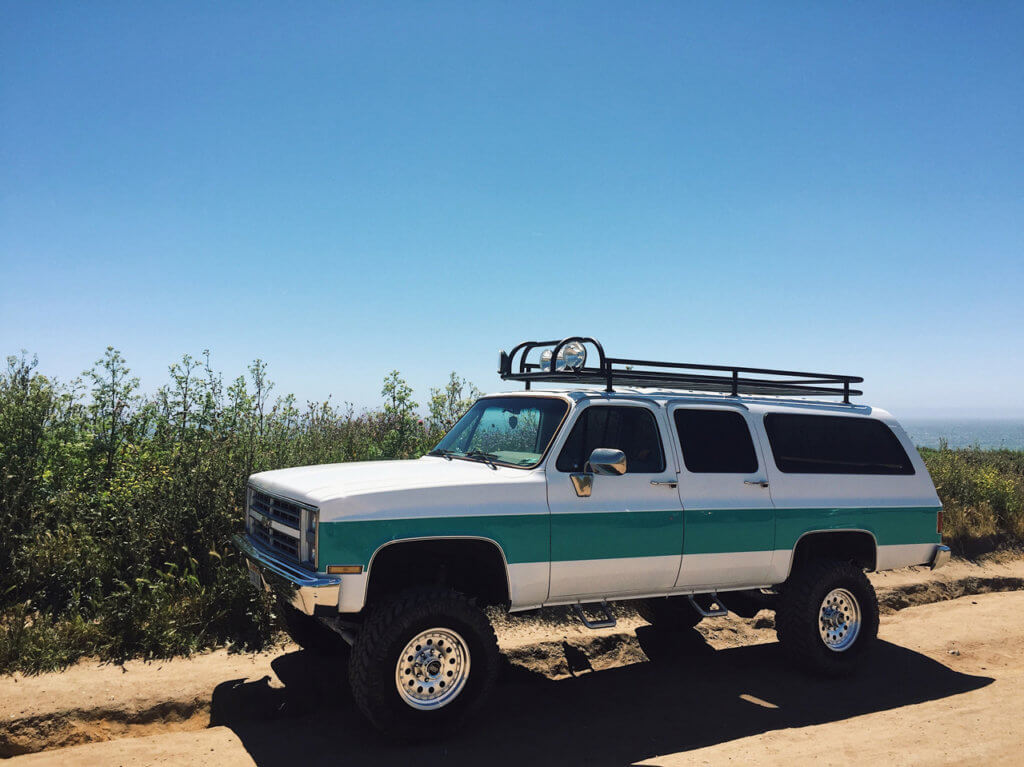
{"x": 375, "y": 488}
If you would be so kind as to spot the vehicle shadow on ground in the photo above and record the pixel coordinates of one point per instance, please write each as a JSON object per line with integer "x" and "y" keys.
{"x": 688, "y": 696}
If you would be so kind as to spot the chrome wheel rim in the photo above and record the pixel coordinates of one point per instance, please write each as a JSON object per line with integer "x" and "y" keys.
{"x": 839, "y": 620}
{"x": 432, "y": 669}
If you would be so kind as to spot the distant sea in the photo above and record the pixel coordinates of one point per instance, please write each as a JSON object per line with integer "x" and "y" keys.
{"x": 926, "y": 432}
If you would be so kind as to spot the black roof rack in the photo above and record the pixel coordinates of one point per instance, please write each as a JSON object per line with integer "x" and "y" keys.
{"x": 728, "y": 379}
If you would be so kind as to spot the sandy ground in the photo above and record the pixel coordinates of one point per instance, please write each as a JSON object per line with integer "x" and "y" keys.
{"x": 945, "y": 687}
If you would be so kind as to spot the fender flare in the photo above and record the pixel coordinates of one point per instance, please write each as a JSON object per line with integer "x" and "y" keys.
{"x": 426, "y": 538}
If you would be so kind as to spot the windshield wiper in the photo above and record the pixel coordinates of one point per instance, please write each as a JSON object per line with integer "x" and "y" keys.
{"x": 446, "y": 454}
{"x": 487, "y": 458}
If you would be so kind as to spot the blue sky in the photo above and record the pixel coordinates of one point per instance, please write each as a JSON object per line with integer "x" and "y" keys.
{"x": 345, "y": 188}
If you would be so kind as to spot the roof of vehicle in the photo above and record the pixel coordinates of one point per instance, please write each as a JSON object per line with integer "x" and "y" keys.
{"x": 661, "y": 397}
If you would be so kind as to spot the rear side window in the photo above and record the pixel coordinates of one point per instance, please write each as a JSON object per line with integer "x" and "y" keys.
{"x": 715, "y": 442}
{"x": 632, "y": 430}
{"x": 825, "y": 444}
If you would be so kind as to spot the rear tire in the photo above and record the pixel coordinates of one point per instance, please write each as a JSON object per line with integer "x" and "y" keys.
{"x": 424, "y": 660}
{"x": 827, "y": 617}
{"x": 669, "y": 613}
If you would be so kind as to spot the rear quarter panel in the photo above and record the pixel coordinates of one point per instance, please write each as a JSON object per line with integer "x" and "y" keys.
{"x": 899, "y": 511}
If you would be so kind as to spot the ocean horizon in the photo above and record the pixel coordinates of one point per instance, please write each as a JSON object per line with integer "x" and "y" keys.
{"x": 986, "y": 433}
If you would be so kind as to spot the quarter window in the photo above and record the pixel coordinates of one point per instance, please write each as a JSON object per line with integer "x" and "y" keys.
{"x": 715, "y": 442}
{"x": 632, "y": 430}
{"x": 822, "y": 444}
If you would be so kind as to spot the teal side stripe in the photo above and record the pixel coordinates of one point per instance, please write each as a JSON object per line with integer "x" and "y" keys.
{"x": 523, "y": 537}
{"x": 717, "y": 531}
{"x": 891, "y": 527}
{"x": 610, "y": 535}
{"x": 583, "y": 535}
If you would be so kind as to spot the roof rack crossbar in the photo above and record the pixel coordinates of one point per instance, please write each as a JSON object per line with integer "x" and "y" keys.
{"x": 623, "y": 371}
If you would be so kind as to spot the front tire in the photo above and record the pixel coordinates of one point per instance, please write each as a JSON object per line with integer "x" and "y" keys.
{"x": 827, "y": 617}
{"x": 424, "y": 660}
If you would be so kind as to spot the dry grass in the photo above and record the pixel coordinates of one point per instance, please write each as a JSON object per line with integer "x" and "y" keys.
{"x": 982, "y": 493}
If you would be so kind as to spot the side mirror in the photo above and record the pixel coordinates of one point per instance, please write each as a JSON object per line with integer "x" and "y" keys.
{"x": 606, "y": 460}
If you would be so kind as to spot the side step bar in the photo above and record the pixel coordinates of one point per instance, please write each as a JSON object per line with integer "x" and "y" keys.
{"x": 606, "y": 622}
{"x": 721, "y": 612}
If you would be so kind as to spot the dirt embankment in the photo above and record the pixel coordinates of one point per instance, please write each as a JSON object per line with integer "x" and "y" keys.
{"x": 90, "y": 703}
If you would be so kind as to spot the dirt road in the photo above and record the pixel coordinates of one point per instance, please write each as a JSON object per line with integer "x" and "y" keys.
{"x": 946, "y": 686}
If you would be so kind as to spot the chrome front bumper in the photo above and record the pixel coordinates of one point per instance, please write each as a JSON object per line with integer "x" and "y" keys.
{"x": 300, "y": 588}
{"x": 941, "y": 557}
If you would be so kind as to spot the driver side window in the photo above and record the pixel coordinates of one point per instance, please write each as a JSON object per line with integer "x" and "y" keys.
{"x": 632, "y": 430}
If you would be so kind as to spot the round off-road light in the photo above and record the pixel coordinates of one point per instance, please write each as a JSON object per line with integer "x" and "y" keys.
{"x": 573, "y": 356}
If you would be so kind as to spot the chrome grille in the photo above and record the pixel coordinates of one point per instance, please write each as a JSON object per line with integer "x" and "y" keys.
{"x": 277, "y": 508}
{"x": 284, "y": 527}
{"x": 277, "y": 541}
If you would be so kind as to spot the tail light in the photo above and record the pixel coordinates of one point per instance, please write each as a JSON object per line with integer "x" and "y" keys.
{"x": 938, "y": 523}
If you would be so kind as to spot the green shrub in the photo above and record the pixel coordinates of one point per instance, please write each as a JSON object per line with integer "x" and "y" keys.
{"x": 117, "y": 509}
{"x": 982, "y": 493}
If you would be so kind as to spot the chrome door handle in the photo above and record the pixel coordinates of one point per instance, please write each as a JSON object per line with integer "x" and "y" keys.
{"x": 665, "y": 482}
{"x": 759, "y": 482}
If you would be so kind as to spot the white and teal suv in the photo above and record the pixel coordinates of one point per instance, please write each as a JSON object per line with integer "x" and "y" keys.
{"x": 693, "y": 489}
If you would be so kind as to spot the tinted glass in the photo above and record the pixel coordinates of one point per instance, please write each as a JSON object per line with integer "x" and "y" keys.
{"x": 822, "y": 444}
{"x": 632, "y": 430}
{"x": 510, "y": 430}
{"x": 715, "y": 442}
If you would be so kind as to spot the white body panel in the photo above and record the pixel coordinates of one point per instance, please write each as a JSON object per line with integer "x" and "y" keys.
{"x": 589, "y": 580}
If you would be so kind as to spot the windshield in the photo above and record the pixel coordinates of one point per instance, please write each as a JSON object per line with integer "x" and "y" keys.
{"x": 511, "y": 430}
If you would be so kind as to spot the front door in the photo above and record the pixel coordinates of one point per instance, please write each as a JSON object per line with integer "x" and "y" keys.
{"x": 626, "y": 536}
{"x": 729, "y": 518}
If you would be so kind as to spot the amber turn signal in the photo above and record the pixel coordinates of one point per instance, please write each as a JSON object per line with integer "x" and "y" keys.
{"x": 344, "y": 569}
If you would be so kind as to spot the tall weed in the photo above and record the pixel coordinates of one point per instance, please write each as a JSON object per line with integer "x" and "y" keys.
{"x": 982, "y": 493}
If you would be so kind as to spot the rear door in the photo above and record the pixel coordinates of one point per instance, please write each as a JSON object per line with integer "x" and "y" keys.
{"x": 626, "y": 536}
{"x": 728, "y": 515}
